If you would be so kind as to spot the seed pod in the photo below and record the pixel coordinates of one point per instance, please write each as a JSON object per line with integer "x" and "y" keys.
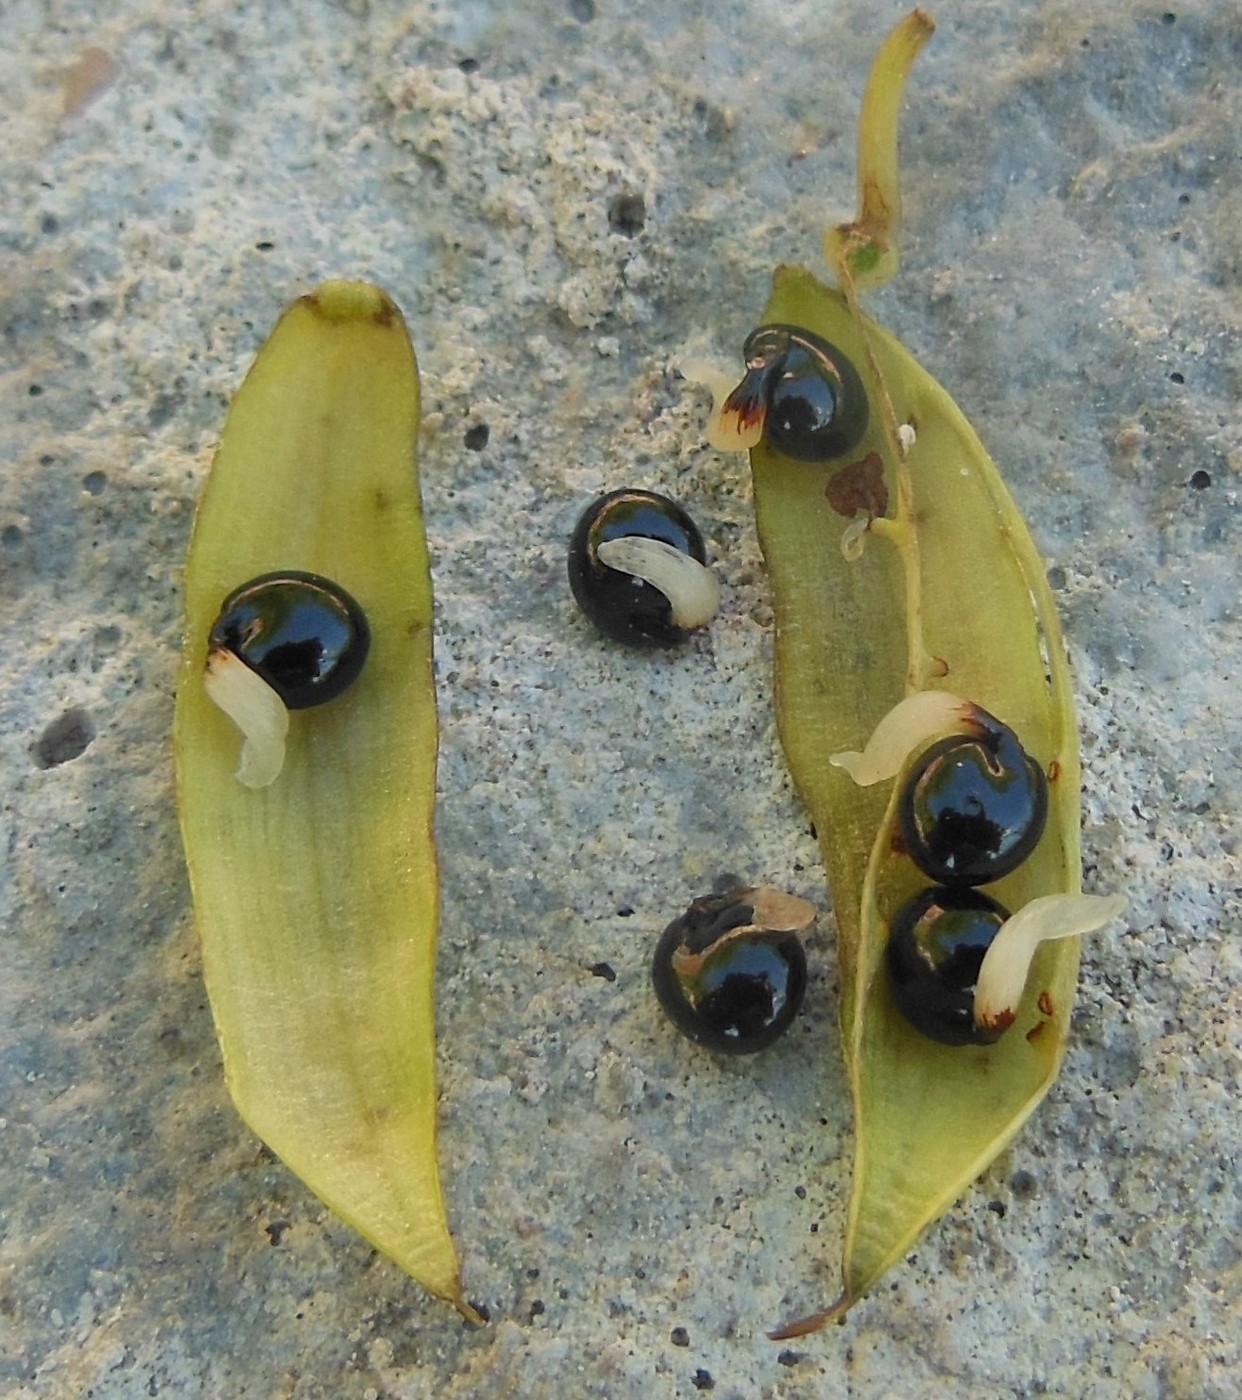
{"x": 315, "y": 895}
{"x": 876, "y": 601}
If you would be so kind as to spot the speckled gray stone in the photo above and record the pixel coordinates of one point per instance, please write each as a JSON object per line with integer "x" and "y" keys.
{"x": 570, "y": 198}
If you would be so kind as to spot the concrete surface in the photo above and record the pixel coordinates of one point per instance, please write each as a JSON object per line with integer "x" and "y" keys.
{"x": 631, "y": 1213}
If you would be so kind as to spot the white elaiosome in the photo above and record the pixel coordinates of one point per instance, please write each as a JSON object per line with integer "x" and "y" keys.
{"x": 256, "y": 709}
{"x": 1003, "y": 972}
{"x": 692, "y": 590}
{"x": 917, "y": 718}
{"x": 724, "y": 431}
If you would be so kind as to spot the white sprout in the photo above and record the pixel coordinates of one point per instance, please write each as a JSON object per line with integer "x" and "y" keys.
{"x": 917, "y": 718}
{"x": 692, "y": 590}
{"x": 1003, "y": 972}
{"x": 256, "y": 709}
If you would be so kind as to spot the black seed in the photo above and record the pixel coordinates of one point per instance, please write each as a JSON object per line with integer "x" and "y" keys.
{"x": 936, "y": 948}
{"x": 679, "y": 1337}
{"x": 734, "y": 992}
{"x": 973, "y": 807}
{"x": 476, "y": 436}
{"x": 302, "y": 633}
{"x": 624, "y": 607}
{"x": 809, "y": 394}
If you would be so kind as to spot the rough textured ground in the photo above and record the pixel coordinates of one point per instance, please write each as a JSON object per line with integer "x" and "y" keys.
{"x": 568, "y": 198}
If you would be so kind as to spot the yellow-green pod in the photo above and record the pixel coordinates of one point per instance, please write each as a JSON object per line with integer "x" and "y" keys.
{"x": 902, "y": 568}
{"x": 315, "y": 887}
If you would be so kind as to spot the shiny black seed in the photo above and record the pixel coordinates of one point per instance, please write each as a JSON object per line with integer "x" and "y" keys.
{"x": 302, "y": 633}
{"x": 973, "y": 807}
{"x": 624, "y": 607}
{"x": 815, "y": 407}
{"x": 730, "y": 990}
{"x": 937, "y": 945}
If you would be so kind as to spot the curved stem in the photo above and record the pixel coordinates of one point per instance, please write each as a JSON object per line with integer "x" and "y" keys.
{"x": 863, "y": 254}
{"x": 867, "y": 248}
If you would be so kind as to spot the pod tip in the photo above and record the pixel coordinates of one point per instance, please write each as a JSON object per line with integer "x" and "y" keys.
{"x": 813, "y": 1322}
{"x": 342, "y": 300}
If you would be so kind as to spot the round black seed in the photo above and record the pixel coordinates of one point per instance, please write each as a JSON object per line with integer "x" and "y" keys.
{"x": 813, "y": 402}
{"x": 724, "y": 983}
{"x": 625, "y": 607}
{"x": 973, "y": 807}
{"x": 302, "y": 633}
{"x": 935, "y": 950}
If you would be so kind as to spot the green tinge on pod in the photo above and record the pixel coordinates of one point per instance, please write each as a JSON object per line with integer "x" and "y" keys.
{"x": 904, "y": 567}
{"x": 316, "y": 892}
{"x": 928, "y": 1118}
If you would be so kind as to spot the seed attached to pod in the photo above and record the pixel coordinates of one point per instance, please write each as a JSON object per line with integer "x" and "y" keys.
{"x": 730, "y": 972}
{"x": 973, "y": 807}
{"x": 317, "y": 897}
{"x": 638, "y": 569}
{"x": 938, "y": 943}
{"x": 283, "y": 641}
{"x": 958, "y": 962}
{"x": 301, "y": 632}
{"x": 894, "y": 608}
{"x": 800, "y": 393}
